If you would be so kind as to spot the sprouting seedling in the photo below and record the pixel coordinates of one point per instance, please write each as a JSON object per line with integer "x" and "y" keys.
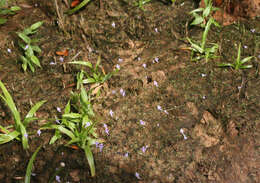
{"x": 78, "y": 126}
{"x": 29, "y": 47}
{"x": 238, "y": 63}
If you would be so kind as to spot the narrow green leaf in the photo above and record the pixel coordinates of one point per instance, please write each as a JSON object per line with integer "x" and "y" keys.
{"x": 24, "y": 37}
{"x": 15, "y": 8}
{"x": 5, "y": 138}
{"x": 247, "y": 59}
{"x": 72, "y": 115}
{"x": 88, "y": 64}
{"x": 30, "y": 166}
{"x": 206, "y": 11}
{"x": 90, "y": 159}
{"x": 36, "y": 48}
{"x": 35, "y": 60}
{"x": 36, "y": 25}
{"x": 88, "y": 81}
{"x": 82, "y": 4}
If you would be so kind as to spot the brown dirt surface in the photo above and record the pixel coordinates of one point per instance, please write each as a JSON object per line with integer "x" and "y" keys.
{"x": 177, "y": 122}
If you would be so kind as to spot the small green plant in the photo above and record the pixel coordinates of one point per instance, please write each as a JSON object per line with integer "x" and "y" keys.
{"x": 18, "y": 130}
{"x": 78, "y": 124}
{"x": 200, "y": 50}
{"x": 202, "y": 18}
{"x": 140, "y": 3}
{"x": 96, "y": 76}
{"x": 30, "y": 166}
{"x": 238, "y": 63}
{"x": 7, "y": 11}
{"x": 78, "y": 7}
{"x": 29, "y": 47}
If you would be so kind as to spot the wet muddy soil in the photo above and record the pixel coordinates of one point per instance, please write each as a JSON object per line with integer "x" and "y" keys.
{"x": 169, "y": 119}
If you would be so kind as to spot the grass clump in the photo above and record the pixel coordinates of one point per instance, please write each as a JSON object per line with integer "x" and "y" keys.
{"x": 18, "y": 130}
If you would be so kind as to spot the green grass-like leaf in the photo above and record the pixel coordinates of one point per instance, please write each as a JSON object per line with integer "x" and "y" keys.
{"x": 30, "y": 166}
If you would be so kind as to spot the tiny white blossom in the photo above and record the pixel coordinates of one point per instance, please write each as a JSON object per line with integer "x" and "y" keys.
{"x": 184, "y": 136}
{"x": 126, "y": 154}
{"x": 158, "y": 124}
{"x": 252, "y": 30}
{"x": 120, "y": 60}
{"x": 166, "y": 112}
{"x": 62, "y": 164}
{"x": 245, "y": 46}
{"x": 139, "y": 58}
{"x": 113, "y": 25}
{"x": 61, "y": 59}
{"x": 57, "y": 178}
{"x": 9, "y": 50}
{"x": 122, "y": 92}
{"x": 203, "y": 75}
{"x": 39, "y": 132}
{"x": 52, "y": 63}
{"x": 155, "y": 83}
{"x": 118, "y": 66}
{"x": 156, "y": 59}
{"x": 26, "y": 47}
{"x": 144, "y": 65}
{"x": 159, "y": 107}
{"x": 156, "y": 30}
{"x": 204, "y": 97}
{"x": 58, "y": 109}
{"x": 106, "y": 129}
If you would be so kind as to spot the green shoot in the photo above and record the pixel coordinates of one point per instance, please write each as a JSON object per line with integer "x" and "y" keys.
{"x": 29, "y": 57}
{"x": 140, "y": 3}
{"x": 19, "y": 128}
{"x": 78, "y": 126}
{"x": 78, "y": 7}
{"x": 96, "y": 76}
{"x": 200, "y": 50}
{"x": 238, "y": 63}
{"x": 30, "y": 166}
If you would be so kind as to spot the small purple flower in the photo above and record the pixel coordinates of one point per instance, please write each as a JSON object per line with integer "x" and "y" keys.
{"x": 39, "y": 132}
{"x": 144, "y": 148}
{"x": 245, "y": 46}
{"x": 57, "y": 178}
{"x": 9, "y": 50}
{"x": 159, "y": 107}
{"x": 126, "y": 154}
{"x": 156, "y": 59}
{"x": 203, "y": 75}
{"x": 106, "y": 129}
{"x": 111, "y": 113}
{"x": 139, "y": 58}
{"x": 156, "y": 30}
{"x": 166, "y": 112}
{"x": 122, "y": 92}
{"x": 144, "y": 65}
{"x": 155, "y": 83}
{"x": 26, "y": 47}
{"x": 113, "y": 25}
{"x": 61, "y": 59}
{"x": 33, "y": 174}
{"x": 142, "y": 122}
{"x": 118, "y": 66}
{"x": 52, "y": 63}
{"x": 137, "y": 175}
{"x": 113, "y": 91}
{"x": 87, "y": 124}
{"x": 57, "y": 121}
{"x": 120, "y": 60}
{"x": 58, "y": 109}
{"x": 100, "y": 146}
{"x": 26, "y": 135}
{"x": 204, "y": 97}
